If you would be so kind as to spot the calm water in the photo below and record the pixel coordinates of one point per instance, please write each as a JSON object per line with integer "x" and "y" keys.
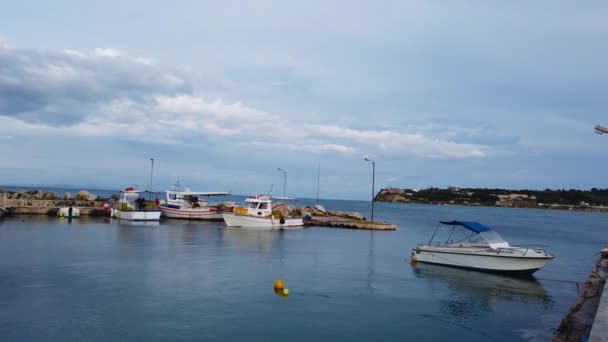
{"x": 97, "y": 279}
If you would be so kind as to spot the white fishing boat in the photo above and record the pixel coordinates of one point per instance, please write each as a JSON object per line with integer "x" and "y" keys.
{"x": 474, "y": 246}
{"x": 193, "y": 205}
{"x": 68, "y": 212}
{"x": 258, "y": 212}
{"x": 132, "y": 205}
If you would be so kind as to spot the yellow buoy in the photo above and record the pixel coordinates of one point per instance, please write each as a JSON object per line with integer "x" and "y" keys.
{"x": 279, "y": 284}
{"x": 414, "y": 260}
{"x": 285, "y": 292}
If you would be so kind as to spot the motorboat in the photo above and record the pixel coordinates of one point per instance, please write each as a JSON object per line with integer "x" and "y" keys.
{"x": 258, "y": 212}
{"x": 68, "y": 212}
{"x": 193, "y": 205}
{"x": 475, "y": 246}
{"x": 132, "y": 205}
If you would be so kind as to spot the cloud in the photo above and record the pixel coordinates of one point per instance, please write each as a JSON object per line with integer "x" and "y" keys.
{"x": 108, "y": 93}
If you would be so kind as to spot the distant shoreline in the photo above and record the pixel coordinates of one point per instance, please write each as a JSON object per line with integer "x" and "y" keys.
{"x": 594, "y": 200}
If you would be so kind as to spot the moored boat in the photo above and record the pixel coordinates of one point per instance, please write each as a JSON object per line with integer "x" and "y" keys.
{"x": 258, "y": 212}
{"x": 475, "y": 246}
{"x": 68, "y": 212}
{"x": 133, "y": 206}
{"x": 3, "y": 212}
{"x": 192, "y": 205}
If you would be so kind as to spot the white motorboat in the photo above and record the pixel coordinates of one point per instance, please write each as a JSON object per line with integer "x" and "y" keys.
{"x": 258, "y": 212}
{"x": 474, "y": 246}
{"x": 192, "y": 205}
{"x": 133, "y": 206}
{"x": 68, "y": 212}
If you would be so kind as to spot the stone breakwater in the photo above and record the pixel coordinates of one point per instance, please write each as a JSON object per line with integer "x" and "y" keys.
{"x": 37, "y": 202}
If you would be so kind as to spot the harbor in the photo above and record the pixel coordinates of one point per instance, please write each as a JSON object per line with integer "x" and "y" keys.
{"x": 172, "y": 273}
{"x": 38, "y": 202}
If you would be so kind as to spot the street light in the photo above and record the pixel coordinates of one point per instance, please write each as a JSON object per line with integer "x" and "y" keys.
{"x": 373, "y": 183}
{"x": 601, "y": 129}
{"x": 284, "y": 181}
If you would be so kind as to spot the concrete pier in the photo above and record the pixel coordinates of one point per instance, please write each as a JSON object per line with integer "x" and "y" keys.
{"x": 340, "y": 222}
{"x": 588, "y": 316}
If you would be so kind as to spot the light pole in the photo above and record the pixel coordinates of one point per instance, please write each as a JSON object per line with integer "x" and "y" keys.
{"x": 373, "y": 183}
{"x": 284, "y": 181}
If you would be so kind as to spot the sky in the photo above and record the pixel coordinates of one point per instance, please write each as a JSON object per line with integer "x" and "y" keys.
{"x": 223, "y": 93}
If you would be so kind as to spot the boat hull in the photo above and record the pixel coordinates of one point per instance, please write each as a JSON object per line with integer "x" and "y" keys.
{"x": 65, "y": 212}
{"x": 210, "y": 214}
{"x": 516, "y": 265}
{"x": 137, "y": 215}
{"x": 236, "y": 220}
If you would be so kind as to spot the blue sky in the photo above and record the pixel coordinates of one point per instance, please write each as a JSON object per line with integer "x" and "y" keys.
{"x": 221, "y": 94}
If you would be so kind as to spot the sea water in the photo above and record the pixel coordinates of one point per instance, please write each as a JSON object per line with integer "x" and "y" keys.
{"x": 110, "y": 280}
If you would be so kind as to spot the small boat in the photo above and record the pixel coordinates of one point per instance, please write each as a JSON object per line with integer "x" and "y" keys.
{"x": 258, "y": 212}
{"x": 474, "y": 246}
{"x": 3, "y": 212}
{"x": 132, "y": 205}
{"x": 192, "y": 205}
{"x": 68, "y": 212}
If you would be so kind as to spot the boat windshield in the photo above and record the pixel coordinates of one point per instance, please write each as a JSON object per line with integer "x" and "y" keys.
{"x": 253, "y": 205}
{"x": 488, "y": 238}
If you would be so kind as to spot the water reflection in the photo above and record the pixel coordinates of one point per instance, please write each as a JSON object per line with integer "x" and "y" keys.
{"x": 134, "y": 232}
{"x": 259, "y": 239}
{"x": 474, "y": 294}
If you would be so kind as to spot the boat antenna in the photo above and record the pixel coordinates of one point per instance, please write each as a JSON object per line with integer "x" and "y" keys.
{"x": 177, "y": 186}
{"x": 270, "y": 191}
{"x": 318, "y": 177}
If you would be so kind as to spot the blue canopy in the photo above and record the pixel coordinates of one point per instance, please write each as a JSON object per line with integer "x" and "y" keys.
{"x": 473, "y": 226}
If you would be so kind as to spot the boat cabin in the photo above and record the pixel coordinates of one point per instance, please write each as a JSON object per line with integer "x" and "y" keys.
{"x": 190, "y": 199}
{"x": 131, "y": 200}
{"x": 260, "y": 205}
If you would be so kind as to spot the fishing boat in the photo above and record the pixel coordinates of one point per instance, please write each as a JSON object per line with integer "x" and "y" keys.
{"x": 257, "y": 212}
{"x": 68, "y": 212}
{"x": 192, "y": 205}
{"x": 474, "y": 246}
{"x": 132, "y": 205}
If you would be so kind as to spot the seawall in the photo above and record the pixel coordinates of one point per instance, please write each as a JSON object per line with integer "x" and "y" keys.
{"x": 588, "y": 316}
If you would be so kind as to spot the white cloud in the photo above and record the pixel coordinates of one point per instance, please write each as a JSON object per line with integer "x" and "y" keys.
{"x": 107, "y": 52}
{"x": 75, "y": 92}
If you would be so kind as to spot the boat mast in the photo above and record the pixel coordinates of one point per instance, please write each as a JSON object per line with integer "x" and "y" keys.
{"x": 318, "y": 177}
{"x": 151, "y": 174}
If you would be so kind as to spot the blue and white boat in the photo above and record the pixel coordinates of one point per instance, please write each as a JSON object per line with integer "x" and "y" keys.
{"x": 474, "y": 246}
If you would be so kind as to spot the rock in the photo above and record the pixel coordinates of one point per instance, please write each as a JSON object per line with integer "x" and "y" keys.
{"x": 284, "y": 209}
{"x": 320, "y": 208}
{"x": 115, "y": 197}
{"x": 38, "y": 195}
{"x": 67, "y": 196}
{"x": 21, "y": 195}
{"x": 84, "y": 195}
{"x": 355, "y": 216}
{"x": 48, "y": 196}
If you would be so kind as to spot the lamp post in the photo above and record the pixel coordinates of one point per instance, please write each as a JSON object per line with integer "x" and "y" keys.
{"x": 373, "y": 182}
{"x": 284, "y": 181}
